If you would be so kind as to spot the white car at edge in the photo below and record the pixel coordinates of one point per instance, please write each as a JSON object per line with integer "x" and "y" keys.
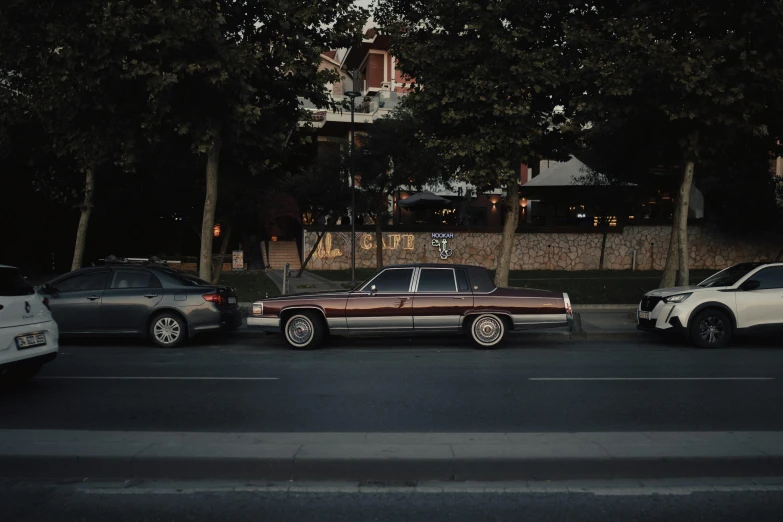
{"x": 28, "y": 334}
{"x": 744, "y": 298}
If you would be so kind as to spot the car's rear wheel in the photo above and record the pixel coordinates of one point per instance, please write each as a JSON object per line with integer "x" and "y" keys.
{"x": 168, "y": 330}
{"x": 304, "y": 330}
{"x": 487, "y": 331}
{"x": 711, "y": 329}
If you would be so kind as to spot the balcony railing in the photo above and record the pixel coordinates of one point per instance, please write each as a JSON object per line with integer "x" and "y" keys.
{"x": 368, "y": 104}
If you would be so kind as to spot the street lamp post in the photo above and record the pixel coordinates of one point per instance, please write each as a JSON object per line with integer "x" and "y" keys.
{"x": 353, "y": 95}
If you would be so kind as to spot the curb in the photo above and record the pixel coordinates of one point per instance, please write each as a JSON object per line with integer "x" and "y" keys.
{"x": 391, "y": 457}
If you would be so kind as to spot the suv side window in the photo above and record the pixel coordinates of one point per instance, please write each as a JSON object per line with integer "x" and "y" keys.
{"x": 83, "y": 282}
{"x": 437, "y": 280}
{"x": 769, "y": 278}
{"x": 133, "y": 279}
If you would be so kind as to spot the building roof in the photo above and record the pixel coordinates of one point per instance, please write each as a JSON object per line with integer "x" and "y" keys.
{"x": 560, "y": 174}
{"x": 330, "y": 54}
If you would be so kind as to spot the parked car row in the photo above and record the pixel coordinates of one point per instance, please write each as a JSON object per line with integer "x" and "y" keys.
{"x": 168, "y": 307}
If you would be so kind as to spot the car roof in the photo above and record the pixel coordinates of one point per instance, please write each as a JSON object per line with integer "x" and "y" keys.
{"x": 432, "y": 265}
{"x": 7, "y": 266}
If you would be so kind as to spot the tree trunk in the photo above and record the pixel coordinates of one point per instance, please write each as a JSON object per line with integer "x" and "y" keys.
{"x": 669, "y": 278}
{"x": 208, "y": 220}
{"x": 378, "y": 242}
{"x": 682, "y": 222}
{"x": 217, "y": 266}
{"x": 319, "y": 236}
{"x": 603, "y": 249}
{"x": 84, "y": 220}
{"x": 509, "y": 229}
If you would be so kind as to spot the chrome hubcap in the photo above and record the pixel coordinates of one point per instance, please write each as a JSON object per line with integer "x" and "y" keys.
{"x": 487, "y": 329}
{"x": 167, "y": 330}
{"x": 712, "y": 329}
{"x": 300, "y": 330}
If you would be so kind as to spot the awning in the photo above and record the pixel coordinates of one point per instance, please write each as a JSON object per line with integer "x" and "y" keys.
{"x": 424, "y": 200}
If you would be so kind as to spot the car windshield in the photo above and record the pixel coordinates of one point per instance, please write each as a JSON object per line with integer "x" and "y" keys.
{"x": 729, "y": 276}
{"x": 13, "y": 284}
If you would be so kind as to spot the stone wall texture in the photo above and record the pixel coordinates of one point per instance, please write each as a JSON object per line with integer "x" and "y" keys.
{"x": 709, "y": 249}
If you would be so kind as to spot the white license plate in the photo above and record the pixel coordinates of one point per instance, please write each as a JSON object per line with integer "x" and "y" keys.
{"x": 232, "y": 300}
{"x": 644, "y": 315}
{"x": 30, "y": 340}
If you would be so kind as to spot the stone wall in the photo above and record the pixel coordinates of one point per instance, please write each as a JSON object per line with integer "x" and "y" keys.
{"x": 709, "y": 249}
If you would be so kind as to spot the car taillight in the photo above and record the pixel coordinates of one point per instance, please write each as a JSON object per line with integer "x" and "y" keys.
{"x": 46, "y": 303}
{"x": 214, "y": 298}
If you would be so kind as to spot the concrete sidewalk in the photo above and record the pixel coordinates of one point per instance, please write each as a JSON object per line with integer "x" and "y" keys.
{"x": 388, "y": 456}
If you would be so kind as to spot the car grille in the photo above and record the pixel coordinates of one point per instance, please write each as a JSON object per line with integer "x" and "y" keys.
{"x": 649, "y": 303}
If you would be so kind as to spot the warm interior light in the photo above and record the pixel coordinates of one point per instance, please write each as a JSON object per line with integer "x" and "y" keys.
{"x": 523, "y": 202}
{"x": 216, "y": 230}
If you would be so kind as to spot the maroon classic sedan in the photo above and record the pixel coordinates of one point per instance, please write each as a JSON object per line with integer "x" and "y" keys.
{"x": 414, "y": 299}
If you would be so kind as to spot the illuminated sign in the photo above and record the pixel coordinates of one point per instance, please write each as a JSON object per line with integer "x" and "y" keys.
{"x": 440, "y": 240}
{"x": 325, "y": 249}
{"x": 390, "y": 241}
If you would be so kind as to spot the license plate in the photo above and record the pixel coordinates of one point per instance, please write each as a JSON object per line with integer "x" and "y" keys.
{"x": 232, "y": 300}
{"x": 30, "y": 340}
{"x": 644, "y": 315}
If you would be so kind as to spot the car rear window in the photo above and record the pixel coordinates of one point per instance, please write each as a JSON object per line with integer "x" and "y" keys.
{"x": 184, "y": 279}
{"x": 13, "y": 284}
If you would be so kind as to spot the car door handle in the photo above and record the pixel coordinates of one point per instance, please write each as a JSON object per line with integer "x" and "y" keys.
{"x": 458, "y": 298}
{"x": 150, "y": 296}
{"x": 93, "y": 298}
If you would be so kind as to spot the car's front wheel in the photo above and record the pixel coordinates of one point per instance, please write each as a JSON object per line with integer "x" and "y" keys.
{"x": 711, "y": 329}
{"x": 487, "y": 331}
{"x": 304, "y": 330}
{"x": 168, "y": 330}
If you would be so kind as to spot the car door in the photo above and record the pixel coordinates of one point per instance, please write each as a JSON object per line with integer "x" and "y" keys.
{"x": 75, "y": 301}
{"x": 129, "y": 299}
{"x": 762, "y": 307}
{"x": 383, "y": 303}
{"x": 441, "y": 299}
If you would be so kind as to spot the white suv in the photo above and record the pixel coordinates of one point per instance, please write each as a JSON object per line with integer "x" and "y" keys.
{"x": 28, "y": 334}
{"x": 744, "y": 298}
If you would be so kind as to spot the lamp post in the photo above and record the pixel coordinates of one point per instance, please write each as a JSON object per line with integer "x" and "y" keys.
{"x": 353, "y": 95}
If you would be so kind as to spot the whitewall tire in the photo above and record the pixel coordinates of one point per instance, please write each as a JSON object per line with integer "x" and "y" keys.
{"x": 487, "y": 331}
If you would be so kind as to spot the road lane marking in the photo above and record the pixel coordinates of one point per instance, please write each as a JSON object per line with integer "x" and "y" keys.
{"x": 651, "y": 378}
{"x": 142, "y": 378}
{"x": 432, "y": 488}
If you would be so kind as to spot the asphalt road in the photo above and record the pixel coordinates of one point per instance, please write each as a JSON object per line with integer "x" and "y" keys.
{"x": 398, "y": 385}
{"x": 36, "y": 502}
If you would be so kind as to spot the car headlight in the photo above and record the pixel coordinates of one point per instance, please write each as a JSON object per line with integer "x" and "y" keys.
{"x": 258, "y": 309}
{"x": 679, "y": 298}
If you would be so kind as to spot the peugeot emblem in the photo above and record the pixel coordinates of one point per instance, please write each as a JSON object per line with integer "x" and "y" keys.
{"x": 27, "y": 307}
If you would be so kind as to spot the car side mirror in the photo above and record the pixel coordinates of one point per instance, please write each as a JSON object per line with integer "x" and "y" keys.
{"x": 373, "y": 289}
{"x": 750, "y": 285}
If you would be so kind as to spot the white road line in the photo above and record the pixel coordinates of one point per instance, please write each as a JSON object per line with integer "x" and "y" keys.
{"x": 549, "y": 488}
{"x": 142, "y": 378}
{"x": 651, "y": 378}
